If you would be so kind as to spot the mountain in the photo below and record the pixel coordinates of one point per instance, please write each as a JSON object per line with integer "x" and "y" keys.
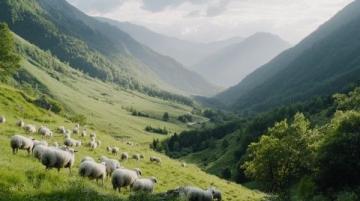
{"x": 97, "y": 48}
{"x": 231, "y": 64}
{"x": 186, "y": 52}
{"x": 326, "y": 61}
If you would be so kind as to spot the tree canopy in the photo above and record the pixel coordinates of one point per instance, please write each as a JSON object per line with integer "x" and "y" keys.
{"x": 9, "y": 60}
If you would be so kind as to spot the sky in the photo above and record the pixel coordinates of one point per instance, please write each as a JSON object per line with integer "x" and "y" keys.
{"x": 213, "y": 20}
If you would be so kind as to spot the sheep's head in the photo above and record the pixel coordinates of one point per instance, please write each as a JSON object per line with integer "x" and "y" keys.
{"x": 138, "y": 171}
{"x": 153, "y": 179}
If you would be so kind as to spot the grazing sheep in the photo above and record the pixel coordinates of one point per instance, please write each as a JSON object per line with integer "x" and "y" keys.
{"x": 124, "y": 177}
{"x": 72, "y": 142}
{"x": 39, "y": 150}
{"x": 93, "y": 135}
{"x": 45, "y": 131}
{"x": 37, "y": 142}
{"x": 20, "y": 142}
{"x": 130, "y": 143}
{"x": 87, "y": 158}
{"x": 111, "y": 165}
{"x": 30, "y": 128}
{"x": 84, "y": 133}
{"x": 217, "y": 194}
{"x": 2, "y": 119}
{"x": 183, "y": 164}
{"x": 94, "y": 144}
{"x": 136, "y": 157}
{"x": 108, "y": 149}
{"x": 20, "y": 123}
{"x": 76, "y": 130}
{"x": 93, "y": 170}
{"x": 196, "y": 194}
{"x": 58, "y": 158}
{"x": 61, "y": 130}
{"x": 115, "y": 150}
{"x": 124, "y": 156}
{"x": 144, "y": 185}
{"x": 155, "y": 159}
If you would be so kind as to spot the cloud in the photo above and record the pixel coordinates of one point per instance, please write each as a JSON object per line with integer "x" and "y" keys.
{"x": 217, "y": 8}
{"x": 96, "y": 6}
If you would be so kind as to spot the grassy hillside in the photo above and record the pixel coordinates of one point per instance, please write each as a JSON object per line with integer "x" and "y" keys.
{"x": 105, "y": 107}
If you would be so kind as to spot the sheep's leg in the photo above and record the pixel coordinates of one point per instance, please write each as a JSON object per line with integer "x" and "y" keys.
{"x": 14, "y": 151}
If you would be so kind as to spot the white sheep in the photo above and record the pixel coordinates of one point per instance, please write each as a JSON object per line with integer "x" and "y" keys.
{"x": 93, "y": 170}
{"x": 191, "y": 193}
{"x": 72, "y": 142}
{"x": 111, "y": 165}
{"x": 183, "y": 164}
{"x": 144, "y": 185}
{"x": 76, "y": 130}
{"x": 84, "y": 133}
{"x": 124, "y": 156}
{"x": 58, "y": 158}
{"x": 93, "y": 135}
{"x": 45, "y": 131}
{"x": 87, "y": 158}
{"x": 37, "y": 142}
{"x": 20, "y": 123}
{"x": 155, "y": 159}
{"x": 39, "y": 150}
{"x": 62, "y": 130}
{"x": 124, "y": 177}
{"x": 130, "y": 143}
{"x": 94, "y": 144}
{"x": 20, "y": 142}
{"x": 108, "y": 149}
{"x": 115, "y": 150}
{"x": 30, "y": 128}
{"x": 136, "y": 156}
{"x": 2, "y": 119}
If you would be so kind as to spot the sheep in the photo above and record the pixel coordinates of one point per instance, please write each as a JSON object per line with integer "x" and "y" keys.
{"x": 37, "y": 142}
{"x": 196, "y": 194}
{"x": 20, "y": 142}
{"x": 111, "y": 165}
{"x": 58, "y": 158}
{"x": 93, "y": 170}
{"x": 124, "y": 156}
{"x": 183, "y": 164}
{"x": 71, "y": 142}
{"x": 45, "y": 131}
{"x": 39, "y": 150}
{"x": 93, "y": 135}
{"x": 115, "y": 150}
{"x": 136, "y": 157}
{"x": 130, "y": 143}
{"x": 30, "y": 128}
{"x": 84, "y": 133}
{"x": 144, "y": 185}
{"x": 124, "y": 177}
{"x": 2, "y": 119}
{"x": 87, "y": 158}
{"x": 94, "y": 144}
{"x": 155, "y": 159}
{"x": 108, "y": 149}
{"x": 20, "y": 123}
{"x": 62, "y": 130}
{"x": 76, "y": 130}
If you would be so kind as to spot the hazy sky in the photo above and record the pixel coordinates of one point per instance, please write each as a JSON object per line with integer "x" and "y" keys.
{"x": 210, "y": 20}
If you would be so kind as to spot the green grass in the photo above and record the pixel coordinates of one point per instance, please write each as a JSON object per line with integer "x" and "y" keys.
{"x": 21, "y": 176}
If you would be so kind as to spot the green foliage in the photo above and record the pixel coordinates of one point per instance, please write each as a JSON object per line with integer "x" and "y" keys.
{"x": 339, "y": 155}
{"x": 9, "y": 60}
{"x": 186, "y": 118}
{"x": 48, "y": 103}
{"x": 166, "y": 116}
{"x": 162, "y": 131}
{"x": 78, "y": 118}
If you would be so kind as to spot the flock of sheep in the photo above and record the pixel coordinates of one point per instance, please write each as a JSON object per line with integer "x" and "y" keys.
{"x": 63, "y": 156}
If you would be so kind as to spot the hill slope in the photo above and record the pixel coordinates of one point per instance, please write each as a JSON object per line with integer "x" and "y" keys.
{"x": 323, "y": 63}
{"x": 105, "y": 107}
{"x": 228, "y": 66}
{"x": 97, "y": 48}
{"x": 186, "y": 52}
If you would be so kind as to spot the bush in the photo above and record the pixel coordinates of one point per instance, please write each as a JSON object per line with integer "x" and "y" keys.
{"x": 185, "y": 118}
{"x": 49, "y": 104}
{"x": 162, "y": 131}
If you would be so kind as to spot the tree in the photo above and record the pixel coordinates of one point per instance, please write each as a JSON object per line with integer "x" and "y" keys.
{"x": 282, "y": 155}
{"x": 166, "y": 116}
{"x": 9, "y": 60}
{"x": 339, "y": 155}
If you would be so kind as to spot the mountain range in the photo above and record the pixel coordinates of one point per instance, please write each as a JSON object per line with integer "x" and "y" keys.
{"x": 325, "y": 62}
{"x": 97, "y": 48}
{"x": 229, "y": 65}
